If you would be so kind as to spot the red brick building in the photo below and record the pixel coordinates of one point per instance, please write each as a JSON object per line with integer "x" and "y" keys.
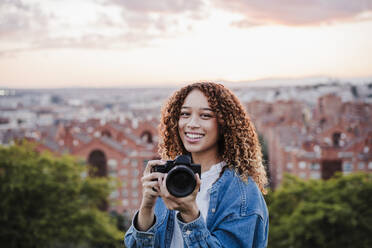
{"x": 118, "y": 150}
{"x": 315, "y": 142}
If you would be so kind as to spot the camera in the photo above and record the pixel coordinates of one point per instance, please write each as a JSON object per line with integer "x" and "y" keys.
{"x": 181, "y": 175}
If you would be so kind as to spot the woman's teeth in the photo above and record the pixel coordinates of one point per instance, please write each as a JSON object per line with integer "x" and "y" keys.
{"x": 194, "y": 135}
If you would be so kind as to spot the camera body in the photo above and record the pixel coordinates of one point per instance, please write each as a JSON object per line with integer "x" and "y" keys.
{"x": 180, "y": 181}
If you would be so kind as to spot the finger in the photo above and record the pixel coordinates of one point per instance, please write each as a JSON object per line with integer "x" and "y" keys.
{"x": 150, "y": 192}
{"x": 152, "y": 163}
{"x": 152, "y": 177}
{"x": 197, "y": 178}
{"x": 149, "y": 165}
{"x": 162, "y": 182}
{"x": 163, "y": 187}
{"x": 151, "y": 187}
{"x": 197, "y": 186}
{"x": 151, "y": 184}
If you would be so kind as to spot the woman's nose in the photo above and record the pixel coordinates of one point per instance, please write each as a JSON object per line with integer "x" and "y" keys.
{"x": 193, "y": 122}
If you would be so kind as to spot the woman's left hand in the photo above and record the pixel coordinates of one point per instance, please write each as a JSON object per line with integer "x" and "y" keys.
{"x": 185, "y": 205}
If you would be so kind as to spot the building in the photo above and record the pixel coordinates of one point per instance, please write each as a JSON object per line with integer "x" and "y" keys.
{"x": 118, "y": 150}
{"x": 315, "y": 142}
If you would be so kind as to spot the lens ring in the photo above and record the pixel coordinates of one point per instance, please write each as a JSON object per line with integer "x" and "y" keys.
{"x": 181, "y": 181}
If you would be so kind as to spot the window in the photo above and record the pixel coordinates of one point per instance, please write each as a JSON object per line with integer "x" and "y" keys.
{"x": 347, "y": 167}
{"x": 124, "y": 193}
{"x": 135, "y": 172}
{"x": 134, "y": 162}
{"x": 106, "y": 133}
{"x": 302, "y": 165}
{"x": 302, "y": 175}
{"x": 114, "y": 194}
{"x": 315, "y": 175}
{"x": 123, "y": 172}
{"x": 135, "y": 202}
{"x": 336, "y": 139}
{"x": 361, "y": 165}
{"x": 125, "y": 202}
{"x": 290, "y": 166}
{"x": 112, "y": 163}
{"x": 134, "y": 183}
{"x": 370, "y": 165}
{"x": 315, "y": 166}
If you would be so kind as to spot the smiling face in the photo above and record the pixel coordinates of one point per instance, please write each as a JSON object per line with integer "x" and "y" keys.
{"x": 197, "y": 125}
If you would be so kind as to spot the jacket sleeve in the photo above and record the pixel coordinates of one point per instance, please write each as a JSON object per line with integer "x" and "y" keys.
{"x": 136, "y": 238}
{"x": 247, "y": 231}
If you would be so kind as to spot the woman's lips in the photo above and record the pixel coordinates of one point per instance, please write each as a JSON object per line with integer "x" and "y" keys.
{"x": 193, "y": 137}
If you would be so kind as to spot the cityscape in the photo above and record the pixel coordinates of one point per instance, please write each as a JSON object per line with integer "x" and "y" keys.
{"x": 311, "y": 131}
{"x": 82, "y": 86}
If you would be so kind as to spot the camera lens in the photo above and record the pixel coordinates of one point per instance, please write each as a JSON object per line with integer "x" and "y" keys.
{"x": 181, "y": 181}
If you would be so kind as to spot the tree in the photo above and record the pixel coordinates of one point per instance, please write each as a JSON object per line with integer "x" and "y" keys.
{"x": 47, "y": 202}
{"x": 316, "y": 213}
{"x": 265, "y": 154}
{"x": 123, "y": 221}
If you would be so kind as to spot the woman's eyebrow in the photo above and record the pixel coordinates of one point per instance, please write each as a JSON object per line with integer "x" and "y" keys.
{"x": 207, "y": 109}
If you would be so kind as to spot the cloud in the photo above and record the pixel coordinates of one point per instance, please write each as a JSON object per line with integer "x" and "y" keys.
{"x": 122, "y": 24}
{"x": 105, "y": 24}
{"x": 295, "y": 12}
{"x": 158, "y": 6}
{"x": 161, "y": 16}
{"x": 20, "y": 20}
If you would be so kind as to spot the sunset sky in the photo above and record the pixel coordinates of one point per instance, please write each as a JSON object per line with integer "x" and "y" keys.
{"x": 116, "y": 43}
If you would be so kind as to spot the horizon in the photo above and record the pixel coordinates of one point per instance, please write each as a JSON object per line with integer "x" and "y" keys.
{"x": 264, "y": 83}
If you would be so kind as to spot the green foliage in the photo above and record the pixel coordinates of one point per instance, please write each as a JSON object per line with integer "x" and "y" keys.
{"x": 46, "y": 202}
{"x": 123, "y": 221}
{"x": 265, "y": 153}
{"x": 317, "y": 213}
{"x": 264, "y": 149}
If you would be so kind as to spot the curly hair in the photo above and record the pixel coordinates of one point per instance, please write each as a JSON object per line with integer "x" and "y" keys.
{"x": 238, "y": 143}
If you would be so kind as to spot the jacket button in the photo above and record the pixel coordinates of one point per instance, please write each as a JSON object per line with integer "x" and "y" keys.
{"x": 213, "y": 210}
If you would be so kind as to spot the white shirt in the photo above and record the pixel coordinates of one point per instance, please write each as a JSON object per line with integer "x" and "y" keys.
{"x": 202, "y": 200}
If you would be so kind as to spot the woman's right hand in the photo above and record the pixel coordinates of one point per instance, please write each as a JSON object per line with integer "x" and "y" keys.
{"x": 151, "y": 184}
{"x": 150, "y": 191}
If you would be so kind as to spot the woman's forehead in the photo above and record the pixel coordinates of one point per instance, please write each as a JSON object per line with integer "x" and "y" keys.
{"x": 196, "y": 98}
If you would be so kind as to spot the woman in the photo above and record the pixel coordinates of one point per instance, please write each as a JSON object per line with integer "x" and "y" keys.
{"x": 226, "y": 209}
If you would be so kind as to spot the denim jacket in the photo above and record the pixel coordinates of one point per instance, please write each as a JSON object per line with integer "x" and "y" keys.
{"x": 237, "y": 217}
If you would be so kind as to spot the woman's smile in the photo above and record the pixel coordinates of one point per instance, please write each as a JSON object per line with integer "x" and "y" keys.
{"x": 193, "y": 137}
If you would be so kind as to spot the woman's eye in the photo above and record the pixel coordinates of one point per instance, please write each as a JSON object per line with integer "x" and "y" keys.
{"x": 206, "y": 116}
{"x": 184, "y": 114}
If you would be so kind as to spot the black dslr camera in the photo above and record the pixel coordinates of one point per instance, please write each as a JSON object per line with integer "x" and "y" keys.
{"x": 181, "y": 175}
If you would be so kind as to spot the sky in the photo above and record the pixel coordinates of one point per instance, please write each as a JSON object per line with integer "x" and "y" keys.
{"x": 118, "y": 43}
